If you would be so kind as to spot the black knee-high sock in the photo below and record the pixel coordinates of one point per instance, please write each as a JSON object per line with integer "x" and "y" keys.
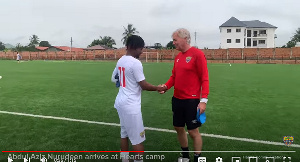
{"x": 196, "y": 157}
{"x": 185, "y": 154}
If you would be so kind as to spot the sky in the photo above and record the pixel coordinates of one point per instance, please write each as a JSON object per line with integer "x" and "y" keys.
{"x": 57, "y": 21}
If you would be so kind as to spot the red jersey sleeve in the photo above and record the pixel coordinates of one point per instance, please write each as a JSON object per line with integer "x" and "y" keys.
{"x": 203, "y": 74}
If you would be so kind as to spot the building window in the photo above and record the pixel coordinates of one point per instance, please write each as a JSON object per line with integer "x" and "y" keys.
{"x": 262, "y": 32}
{"x": 248, "y": 42}
{"x": 228, "y": 30}
{"x": 228, "y": 40}
{"x": 248, "y": 33}
{"x": 261, "y": 42}
{"x": 255, "y": 33}
{"x": 238, "y": 30}
{"x": 254, "y": 43}
{"x": 237, "y": 41}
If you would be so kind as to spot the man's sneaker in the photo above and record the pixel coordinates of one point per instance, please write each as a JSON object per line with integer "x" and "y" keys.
{"x": 181, "y": 159}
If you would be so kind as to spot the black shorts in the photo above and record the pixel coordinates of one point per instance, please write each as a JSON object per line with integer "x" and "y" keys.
{"x": 185, "y": 112}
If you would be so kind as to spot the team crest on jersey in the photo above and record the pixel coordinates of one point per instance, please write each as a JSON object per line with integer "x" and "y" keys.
{"x": 188, "y": 59}
{"x": 142, "y": 134}
{"x": 288, "y": 140}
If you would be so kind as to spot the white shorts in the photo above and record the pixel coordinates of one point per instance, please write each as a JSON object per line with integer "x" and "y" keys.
{"x": 132, "y": 127}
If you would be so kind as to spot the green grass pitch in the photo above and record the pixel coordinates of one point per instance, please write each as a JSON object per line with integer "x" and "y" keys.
{"x": 253, "y": 101}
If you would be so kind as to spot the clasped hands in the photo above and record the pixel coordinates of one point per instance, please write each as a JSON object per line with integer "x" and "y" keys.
{"x": 162, "y": 88}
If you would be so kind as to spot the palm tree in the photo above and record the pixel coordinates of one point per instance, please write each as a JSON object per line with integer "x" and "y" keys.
{"x": 130, "y": 30}
{"x": 34, "y": 40}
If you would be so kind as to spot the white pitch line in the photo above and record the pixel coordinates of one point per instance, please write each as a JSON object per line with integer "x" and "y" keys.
{"x": 150, "y": 128}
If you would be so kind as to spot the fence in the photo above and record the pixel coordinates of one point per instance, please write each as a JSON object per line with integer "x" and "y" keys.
{"x": 234, "y": 55}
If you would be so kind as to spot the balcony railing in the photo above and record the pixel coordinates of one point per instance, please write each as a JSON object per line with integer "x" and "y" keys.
{"x": 259, "y": 35}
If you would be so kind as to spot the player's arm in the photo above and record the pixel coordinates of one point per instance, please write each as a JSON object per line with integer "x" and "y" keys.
{"x": 149, "y": 87}
{"x": 140, "y": 78}
{"x": 113, "y": 76}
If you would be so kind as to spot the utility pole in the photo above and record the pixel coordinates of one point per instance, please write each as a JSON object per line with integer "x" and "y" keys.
{"x": 71, "y": 44}
{"x": 196, "y": 39}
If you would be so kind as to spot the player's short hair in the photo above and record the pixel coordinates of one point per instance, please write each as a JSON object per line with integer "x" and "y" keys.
{"x": 134, "y": 42}
{"x": 183, "y": 33}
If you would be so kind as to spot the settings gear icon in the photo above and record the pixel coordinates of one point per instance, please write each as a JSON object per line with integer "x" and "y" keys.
{"x": 219, "y": 159}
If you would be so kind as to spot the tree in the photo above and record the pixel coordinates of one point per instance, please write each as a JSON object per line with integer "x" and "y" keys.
{"x": 170, "y": 45}
{"x": 2, "y": 46}
{"x": 157, "y": 46}
{"x": 19, "y": 47}
{"x": 44, "y": 44}
{"x": 107, "y": 41}
{"x": 34, "y": 41}
{"x": 294, "y": 39}
{"x": 130, "y": 30}
{"x": 95, "y": 42}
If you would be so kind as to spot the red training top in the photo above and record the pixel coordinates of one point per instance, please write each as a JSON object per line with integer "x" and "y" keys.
{"x": 189, "y": 75}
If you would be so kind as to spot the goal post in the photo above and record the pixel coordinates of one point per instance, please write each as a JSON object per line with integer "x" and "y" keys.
{"x": 150, "y": 57}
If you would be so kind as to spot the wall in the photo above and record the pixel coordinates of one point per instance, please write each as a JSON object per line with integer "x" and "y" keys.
{"x": 154, "y": 55}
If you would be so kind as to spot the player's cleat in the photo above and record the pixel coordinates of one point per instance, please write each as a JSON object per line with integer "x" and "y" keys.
{"x": 118, "y": 81}
{"x": 201, "y": 117}
{"x": 181, "y": 159}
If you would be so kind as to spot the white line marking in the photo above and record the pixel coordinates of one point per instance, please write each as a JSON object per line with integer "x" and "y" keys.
{"x": 150, "y": 128}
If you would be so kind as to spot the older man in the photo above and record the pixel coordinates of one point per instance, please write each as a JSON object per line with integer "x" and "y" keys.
{"x": 191, "y": 87}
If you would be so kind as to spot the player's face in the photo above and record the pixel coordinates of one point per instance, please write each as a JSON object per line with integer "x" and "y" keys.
{"x": 178, "y": 42}
{"x": 138, "y": 52}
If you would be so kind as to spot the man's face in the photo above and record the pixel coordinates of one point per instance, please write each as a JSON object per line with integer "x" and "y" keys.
{"x": 178, "y": 42}
{"x": 138, "y": 52}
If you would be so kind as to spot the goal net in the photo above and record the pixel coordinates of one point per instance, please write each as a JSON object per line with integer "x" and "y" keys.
{"x": 149, "y": 57}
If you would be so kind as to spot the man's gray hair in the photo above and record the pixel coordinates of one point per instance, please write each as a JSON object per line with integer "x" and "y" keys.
{"x": 183, "y": 33}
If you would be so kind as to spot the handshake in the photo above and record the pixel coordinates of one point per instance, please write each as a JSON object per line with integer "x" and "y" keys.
{"x": 162, "y": 88}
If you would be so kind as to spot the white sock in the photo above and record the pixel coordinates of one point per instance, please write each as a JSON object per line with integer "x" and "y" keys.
{"x": 138, "y": 160}
{"x": 123, "y": 156}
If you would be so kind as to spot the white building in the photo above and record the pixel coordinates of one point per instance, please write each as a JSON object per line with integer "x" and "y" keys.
{"x": 247, "y": 34}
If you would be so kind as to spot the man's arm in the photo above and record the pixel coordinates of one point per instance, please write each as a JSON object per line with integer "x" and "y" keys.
{"x": 140, "y": 78}
{"x": 203, "y": 75}
{"x": 149, "y": 87}
{"x": 204, "y": 79}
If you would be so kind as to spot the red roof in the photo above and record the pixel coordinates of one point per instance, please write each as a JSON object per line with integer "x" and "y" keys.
{"x": 66, "y": 48}
{"x": 42, "y": 48}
